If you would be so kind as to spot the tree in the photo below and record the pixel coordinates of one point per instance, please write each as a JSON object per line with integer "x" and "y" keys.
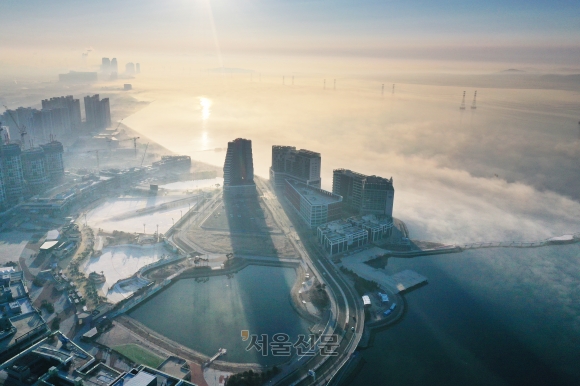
{"x": 55, "y": 325}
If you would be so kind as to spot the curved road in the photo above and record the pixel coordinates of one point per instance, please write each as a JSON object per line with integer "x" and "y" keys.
{"x": 349, "y": 306}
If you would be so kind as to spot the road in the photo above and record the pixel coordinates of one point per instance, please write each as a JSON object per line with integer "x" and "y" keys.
{"x": 349, "y": 308}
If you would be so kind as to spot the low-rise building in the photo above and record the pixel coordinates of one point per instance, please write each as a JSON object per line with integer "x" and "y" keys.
{"x": 21, "y": 325}
{"x": 314, "y": 206}
{"x": 338, "y": 236}
{"x": 342, "y": 235}
{"x": 57, "y": 361}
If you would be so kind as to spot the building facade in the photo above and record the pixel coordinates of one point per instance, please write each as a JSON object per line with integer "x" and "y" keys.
{"x": 239, "y": 169}
{"x": 314, "y": 206}
{"x": 343, "y": 235}
{"x": 301, "y": 165}
{"x": 70, "y": 121}
{"x": 114, "y": 66}
{"x": 12, "y": 172}
{"x": 364, "y": 194}
{"x": 34, "y": 170}
{"x": 2, "y": 190}
{"x": 97, "y": 112}
{"x": 53, "y": 161}
{"x": 130, "y": 68}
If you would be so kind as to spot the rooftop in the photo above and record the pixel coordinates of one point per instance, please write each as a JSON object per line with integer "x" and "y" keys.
{"x": 314, "y": 195}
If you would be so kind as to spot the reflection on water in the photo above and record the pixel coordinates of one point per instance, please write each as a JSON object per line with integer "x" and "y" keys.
{"x": 496, "y": 316}
{"x": 205, "y": 107}
{"x": 207, "y": 315}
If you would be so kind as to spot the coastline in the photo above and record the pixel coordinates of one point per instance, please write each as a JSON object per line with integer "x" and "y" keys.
{"x": 237, "y": 265}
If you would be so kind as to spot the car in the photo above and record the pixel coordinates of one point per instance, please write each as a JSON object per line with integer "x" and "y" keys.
{"x": 352, "y": 328}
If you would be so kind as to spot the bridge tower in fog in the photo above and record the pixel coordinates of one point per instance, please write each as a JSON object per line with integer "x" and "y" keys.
{"x": 473, "y": 106}
{"x": 393, "y": 93}
{"x": 383, "y": 90}
{"x": 324, "y": 85}
{"x": 462, "y": 106}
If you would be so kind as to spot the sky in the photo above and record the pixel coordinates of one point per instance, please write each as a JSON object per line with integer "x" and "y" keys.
{"x": 532, "y": 32}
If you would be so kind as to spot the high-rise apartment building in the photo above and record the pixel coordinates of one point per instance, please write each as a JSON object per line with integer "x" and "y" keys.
{"x": 239, "y": 167}
{"x": 53, "y": 160}
{"x": 364, "y": 194}
{"x": 114, "y": 66}
{"x": 2, "y": 189}
{"x": 130, "y": 68}
{"x": 34, "y": 170}
{"x": 12, "y": 172}
{"x": 105, "y": 65}
{"x": 59, "y": 117}
{"x": 138, "y": 68}
{"x": 97, "y": 112}
{"x": 71, "y": 119}
{"x": 301, "y": 165}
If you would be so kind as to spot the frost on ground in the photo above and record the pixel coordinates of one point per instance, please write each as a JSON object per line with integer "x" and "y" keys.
{"x": 121, "y": 214}
{"x": 122, "y": 261}
{"x": 193, "y": 184}
{"x": 125, "y": 288}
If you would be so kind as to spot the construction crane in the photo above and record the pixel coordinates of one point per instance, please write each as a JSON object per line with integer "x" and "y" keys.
{"x": 21, "y": 128}
{"x": 134, "y": 139}
{"x": 97, "y": 152}
{"x": 145, "y": 152}
{"x": 119, "y": 124}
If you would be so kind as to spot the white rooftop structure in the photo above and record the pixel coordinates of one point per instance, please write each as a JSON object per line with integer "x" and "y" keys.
{"x": 52, "y": 235}
{"x": 141, "y": 379}
{"x": 366, "y": 300}
{"x": 342, "y": 235}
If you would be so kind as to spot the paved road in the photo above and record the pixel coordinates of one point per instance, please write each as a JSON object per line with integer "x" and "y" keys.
{"x": 348, "y": 304}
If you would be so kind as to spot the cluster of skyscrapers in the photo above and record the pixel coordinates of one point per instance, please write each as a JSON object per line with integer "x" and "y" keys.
{"x": 27, "y": 169}
{"x": 353, "y": 193}
{"x": 111, "y": 67}
{"x": 24, "y": 173}
{"x": 58, "y": 118}
{"x": 298, "y": 172}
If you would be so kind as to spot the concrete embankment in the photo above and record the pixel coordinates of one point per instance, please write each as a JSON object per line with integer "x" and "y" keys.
{"x": 425, "y": 252}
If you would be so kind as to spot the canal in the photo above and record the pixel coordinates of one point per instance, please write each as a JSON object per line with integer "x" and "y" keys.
{"x": 208, "y": 314}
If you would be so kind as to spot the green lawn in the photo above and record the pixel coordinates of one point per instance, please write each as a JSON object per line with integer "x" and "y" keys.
{"x": 139, "y": 354}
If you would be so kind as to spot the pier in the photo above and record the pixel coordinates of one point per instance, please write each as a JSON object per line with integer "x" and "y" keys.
{"x": 405, "y": 280}
{"x": 221, "y": 351}
{"x": 399, "y": 282}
